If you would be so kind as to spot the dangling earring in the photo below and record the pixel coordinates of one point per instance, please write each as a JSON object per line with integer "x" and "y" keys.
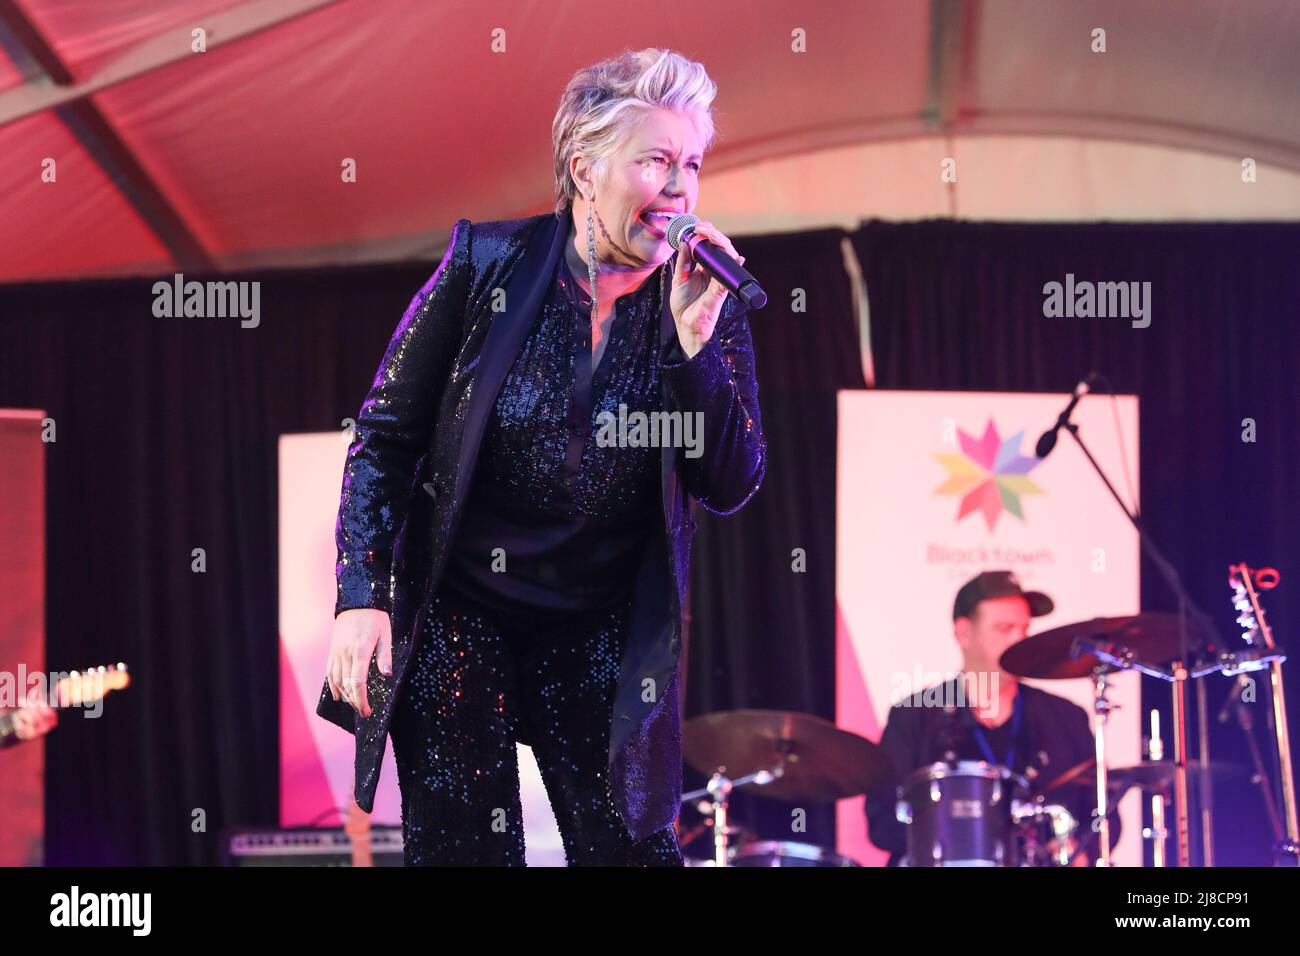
{"x": 591, "y": 254}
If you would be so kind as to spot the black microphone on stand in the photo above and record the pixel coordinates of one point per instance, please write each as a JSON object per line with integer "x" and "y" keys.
{"x": 1234, "y": 697}
{"x": 1048, "y": 440}
{"x": 716, "y": 261}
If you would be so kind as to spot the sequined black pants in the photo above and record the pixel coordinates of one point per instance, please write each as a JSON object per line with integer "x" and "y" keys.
{"x": 475, "y": 676}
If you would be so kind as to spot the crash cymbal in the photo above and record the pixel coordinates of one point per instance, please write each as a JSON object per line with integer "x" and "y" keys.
{"x": 1151, "y": 639}
{"x": 822, "y": 762}
{"x": 1151, "y": 775}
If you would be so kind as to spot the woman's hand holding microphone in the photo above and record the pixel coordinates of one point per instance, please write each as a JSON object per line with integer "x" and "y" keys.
{"x": 696, "y": 297}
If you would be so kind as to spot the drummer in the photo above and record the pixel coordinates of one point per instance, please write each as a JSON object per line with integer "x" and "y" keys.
{"x": 986, "y": 713}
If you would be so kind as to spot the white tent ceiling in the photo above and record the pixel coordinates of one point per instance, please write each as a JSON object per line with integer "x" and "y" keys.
{"x": 231, "y": 158}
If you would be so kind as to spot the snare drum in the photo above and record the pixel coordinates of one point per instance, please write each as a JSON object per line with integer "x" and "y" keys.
{"x": 959, "y": 814}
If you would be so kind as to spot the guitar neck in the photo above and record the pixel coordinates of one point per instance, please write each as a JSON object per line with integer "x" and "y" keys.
{"x": 75, "y": 690}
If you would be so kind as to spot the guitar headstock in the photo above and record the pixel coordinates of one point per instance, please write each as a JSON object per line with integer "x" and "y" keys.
{"x": 95, "y": 683}
{"x": 1246, "y": 583}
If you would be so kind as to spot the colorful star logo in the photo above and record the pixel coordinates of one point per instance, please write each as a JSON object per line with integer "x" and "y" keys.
{"x": 990, "y": 474}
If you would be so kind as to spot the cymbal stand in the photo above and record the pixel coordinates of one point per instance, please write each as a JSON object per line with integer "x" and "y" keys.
{"x": 1123, "y": 658}
{"x": 718, "y": 794}
{"x": 1157, "y": 834}
{"x": 1100, "y": 714}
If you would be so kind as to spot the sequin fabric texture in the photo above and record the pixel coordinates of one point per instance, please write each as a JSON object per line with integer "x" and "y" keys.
{"x": 552, "y": 397}
{"x": 491, "y": 670}
{"x": 477, "y": 675}
{"x": 568, "y": 511}
{"x": 431, "y": 398}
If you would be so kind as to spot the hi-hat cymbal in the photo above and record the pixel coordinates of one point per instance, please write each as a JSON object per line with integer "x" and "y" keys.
{"x": 821, "y": 761}
{"x": 1151, "y": 775}
{"x": 1151, "y": 639}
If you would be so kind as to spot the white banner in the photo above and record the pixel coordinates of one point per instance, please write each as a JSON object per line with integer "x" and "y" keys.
{"x": 316, "y": 757}
{"x": 935, "y": 487}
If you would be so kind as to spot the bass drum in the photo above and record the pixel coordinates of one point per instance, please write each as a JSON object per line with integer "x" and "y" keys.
{"x": 960, "y": 814}
{"x": 787, "y": 853}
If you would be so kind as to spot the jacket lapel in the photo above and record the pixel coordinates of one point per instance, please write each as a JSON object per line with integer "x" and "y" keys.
{"x": 525, "y": 290}
{"x": 668, "y": 454}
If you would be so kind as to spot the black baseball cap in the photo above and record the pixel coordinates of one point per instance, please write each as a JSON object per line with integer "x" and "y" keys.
{"x": 997, "y": 584}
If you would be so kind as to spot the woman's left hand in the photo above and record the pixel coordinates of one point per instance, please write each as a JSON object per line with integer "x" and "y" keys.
{"x": 696, "y": 298}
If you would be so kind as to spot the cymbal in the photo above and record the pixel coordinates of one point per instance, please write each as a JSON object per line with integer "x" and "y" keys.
{"x": 822, "y": 762}
{"x": 1151, "y": 775}
{"x": 1151, "y": 639}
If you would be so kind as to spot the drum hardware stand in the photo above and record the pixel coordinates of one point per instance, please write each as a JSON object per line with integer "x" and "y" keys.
{"x": 720, "y": 790}
{"x": 718, "y": 793}
{"x": 1110, "y": 810}
{"x": 1101, "y": 713}
{"x": 1203, "y": 755}
{"x": 1116, "y": 658}
{"x": 1182, "y": 832}
{"x": 1185, "y": 609}
{"x": 1260, "y": 777}
{"x": 1157, "y": 833}
{"x": 1124, "y": 659}
{"x": 1178, "y": 674}
{"x": 1288, "y": 852}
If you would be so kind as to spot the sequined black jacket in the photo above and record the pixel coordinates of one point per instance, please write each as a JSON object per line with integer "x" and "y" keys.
{"x": 408, "y": 469}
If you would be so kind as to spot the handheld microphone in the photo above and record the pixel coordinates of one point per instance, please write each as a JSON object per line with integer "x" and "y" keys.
{"x": 1048, "y": 439}
{"x": 716, "y": 261}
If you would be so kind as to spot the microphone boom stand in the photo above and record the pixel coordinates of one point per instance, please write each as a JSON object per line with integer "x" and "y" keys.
{"x": 1185, "y": 608}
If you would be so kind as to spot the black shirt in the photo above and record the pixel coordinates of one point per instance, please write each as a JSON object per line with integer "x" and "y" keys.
{"x": 1053, "y": 736}
{"x": 569, "y": 512}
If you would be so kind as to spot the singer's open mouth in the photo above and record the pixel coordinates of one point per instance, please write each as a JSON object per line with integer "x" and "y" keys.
{"x": 656, "y": 222}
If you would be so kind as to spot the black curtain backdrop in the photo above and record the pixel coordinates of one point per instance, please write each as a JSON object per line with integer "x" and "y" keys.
{"x": 166, "y": 442}
{"x": 762, "y": 635}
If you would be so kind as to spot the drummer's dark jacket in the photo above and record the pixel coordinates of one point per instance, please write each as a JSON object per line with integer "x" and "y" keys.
{"x": 409, "y": 467}
{"x": 1054, "y": 736}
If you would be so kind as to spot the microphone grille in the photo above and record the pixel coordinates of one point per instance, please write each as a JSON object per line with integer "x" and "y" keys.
{"x": 678, "y": 225}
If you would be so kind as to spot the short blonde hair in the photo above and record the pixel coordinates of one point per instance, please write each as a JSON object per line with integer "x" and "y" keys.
{"x": 603, "y": 102}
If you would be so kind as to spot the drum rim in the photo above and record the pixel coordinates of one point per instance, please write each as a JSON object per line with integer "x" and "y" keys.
{"x": 806, "y": 851}
{"x": 978, "y": 769}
